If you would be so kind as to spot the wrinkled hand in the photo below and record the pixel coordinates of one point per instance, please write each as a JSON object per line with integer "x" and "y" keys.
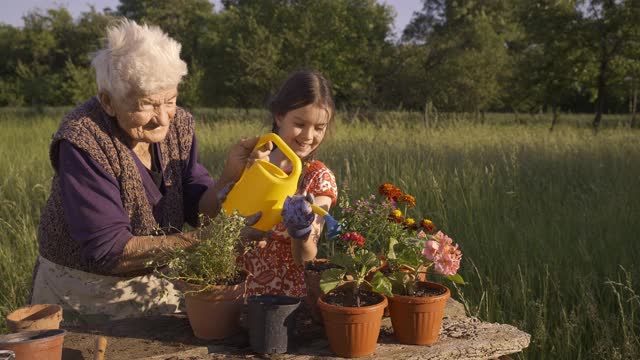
{"x": 242, "y": 155}
{"x": 298, "y": 216}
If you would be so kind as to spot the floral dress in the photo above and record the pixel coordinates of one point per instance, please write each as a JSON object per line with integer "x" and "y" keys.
{"x": 274, "y": 271}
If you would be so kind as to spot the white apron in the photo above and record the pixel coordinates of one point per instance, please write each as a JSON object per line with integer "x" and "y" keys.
{"x": 100, "y": 297}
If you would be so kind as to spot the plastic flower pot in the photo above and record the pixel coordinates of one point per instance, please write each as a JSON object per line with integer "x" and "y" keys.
{"x": 35, "y": 317}
{"x": 352, "y": 331}
{"x": 271, "y": 321}
{"x": 417, "y": 320}
{"x": 35, "y": 345}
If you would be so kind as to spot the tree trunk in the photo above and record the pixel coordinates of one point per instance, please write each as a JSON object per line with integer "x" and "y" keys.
{"x": 634, "y": 104}
{"x": 427, "y": 119}
{"x": 602, "y": 92}
{"x": 554, "y": 119}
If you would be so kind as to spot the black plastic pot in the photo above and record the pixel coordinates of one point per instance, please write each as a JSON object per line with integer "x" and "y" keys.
{"x": 271, "y": 321}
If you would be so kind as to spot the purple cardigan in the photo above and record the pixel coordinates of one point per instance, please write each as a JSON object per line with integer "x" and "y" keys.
{"x": 93, "y": 207}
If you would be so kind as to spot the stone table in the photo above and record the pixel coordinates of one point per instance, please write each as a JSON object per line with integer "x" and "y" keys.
{"x": 170, "y": 338}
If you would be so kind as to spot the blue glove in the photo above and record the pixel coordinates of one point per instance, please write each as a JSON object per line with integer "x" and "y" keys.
{"x": 298, "y": 216}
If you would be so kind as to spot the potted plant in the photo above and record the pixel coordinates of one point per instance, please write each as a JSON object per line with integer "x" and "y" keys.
{"x": 352, "y": 306}
{"x": 212, "y": 281}
{"x": 417, "y": 306}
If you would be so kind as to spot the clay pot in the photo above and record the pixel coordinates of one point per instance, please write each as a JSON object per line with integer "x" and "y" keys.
{"x": 271, "y": 322}
{"x": 352, "y": 331}
{"x": 215, "y": 313}
{"x": 417, "y": 320}
{"x": 35, "y": 345}
{"x": 35, "y": 317}
{"x": 312, "y": 282}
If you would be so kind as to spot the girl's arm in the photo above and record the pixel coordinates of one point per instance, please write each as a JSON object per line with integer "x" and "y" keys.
{"x": 306, "y": 249}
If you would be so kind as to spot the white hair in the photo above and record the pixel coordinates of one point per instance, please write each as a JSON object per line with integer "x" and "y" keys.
{"x": 137, "y": 59}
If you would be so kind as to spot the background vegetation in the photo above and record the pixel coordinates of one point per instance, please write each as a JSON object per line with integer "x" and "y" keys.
{"x": 547, "y": 221}
{"x": 466, "y": 56}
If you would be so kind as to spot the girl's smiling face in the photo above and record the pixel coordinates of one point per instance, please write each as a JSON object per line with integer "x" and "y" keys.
{"x": 303, "y": 129}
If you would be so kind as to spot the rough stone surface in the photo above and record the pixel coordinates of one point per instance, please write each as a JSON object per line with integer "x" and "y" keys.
{"x": 170, "y": 338}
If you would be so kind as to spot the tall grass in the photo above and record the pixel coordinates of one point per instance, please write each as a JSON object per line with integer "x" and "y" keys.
{"x": 547, "y": 221}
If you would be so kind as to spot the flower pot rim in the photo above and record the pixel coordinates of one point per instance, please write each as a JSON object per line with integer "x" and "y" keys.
{"x": 423, "y": 299}
{"x": 295, "y": 302}
{"x": 31, "y": 336}
{"x": 29, "y": 309}
{"x": 352, "y": 310}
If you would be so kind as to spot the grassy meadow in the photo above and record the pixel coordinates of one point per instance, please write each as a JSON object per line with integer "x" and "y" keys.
{"x": 548, "y": 222}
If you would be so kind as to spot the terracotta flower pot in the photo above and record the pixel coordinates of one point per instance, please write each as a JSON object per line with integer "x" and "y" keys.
{"x": 417, "y": 320}
{"x": 35, "y": 317}
{"x": 312, "y": 273}
{"x": 35, "y": 345}
{"x": 215, "y": 314}
{"x": 352, "y": 331}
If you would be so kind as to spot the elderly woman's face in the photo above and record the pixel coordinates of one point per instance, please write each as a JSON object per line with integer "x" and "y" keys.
{"x": 147, "y": 118}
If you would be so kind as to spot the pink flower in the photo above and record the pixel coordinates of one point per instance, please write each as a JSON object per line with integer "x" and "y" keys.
{"x": 422, "y": 234}
{"x": 431, "y": 250}
{"x": 441, "y": 251}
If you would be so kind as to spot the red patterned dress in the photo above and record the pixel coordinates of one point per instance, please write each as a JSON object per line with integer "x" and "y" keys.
{"x": 273, "y": 268}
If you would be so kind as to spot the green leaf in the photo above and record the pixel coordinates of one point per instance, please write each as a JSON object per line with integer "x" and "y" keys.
{"x": 456, "y": 279}
{"x": 343, "y": 260}
{"x": 330, "y": 279}
{"x": 381, "y": 284}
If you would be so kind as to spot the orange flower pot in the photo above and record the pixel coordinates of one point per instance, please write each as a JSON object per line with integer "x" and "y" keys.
{"x": 35, "y": 345}
{"x": 417, "y": 320}
{"x": 35, "y": 317}
{"x": 352, "y": 331}
{"x": 215, "y": 314}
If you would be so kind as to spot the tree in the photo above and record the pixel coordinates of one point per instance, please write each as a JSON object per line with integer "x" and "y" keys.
{"x": 609, "y": 27}
{"x": 466, "y": 51}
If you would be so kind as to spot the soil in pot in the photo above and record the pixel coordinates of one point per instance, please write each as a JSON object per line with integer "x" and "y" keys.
{"x": 35, "y": 345}
{"x": 271, "y": 321}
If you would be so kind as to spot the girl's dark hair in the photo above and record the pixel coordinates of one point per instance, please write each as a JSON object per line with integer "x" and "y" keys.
{"x": 301, "y": 89}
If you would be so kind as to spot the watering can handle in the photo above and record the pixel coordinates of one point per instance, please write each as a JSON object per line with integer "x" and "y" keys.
{"x": 286, "y": 150}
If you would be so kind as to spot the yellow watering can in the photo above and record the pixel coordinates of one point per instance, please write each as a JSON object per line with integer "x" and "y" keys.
{"x": 264, "y": 186}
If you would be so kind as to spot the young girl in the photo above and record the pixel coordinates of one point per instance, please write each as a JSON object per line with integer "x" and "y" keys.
{"x": 301, "y": 112}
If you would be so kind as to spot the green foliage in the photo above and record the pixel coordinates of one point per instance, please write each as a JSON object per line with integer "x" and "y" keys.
{"x": 213, "y": 260}
{"x": 354, "y": 266}
{"x": 547, "y": 218}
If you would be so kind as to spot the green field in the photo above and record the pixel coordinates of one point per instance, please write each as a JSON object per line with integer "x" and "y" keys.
{"x": 548, "y": 222}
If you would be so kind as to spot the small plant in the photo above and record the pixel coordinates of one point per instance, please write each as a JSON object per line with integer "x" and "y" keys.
{"x": 212, "y": 261}
{"x": 414, "y": 256}
{"x": 354, "y": 265}
{"x": 382, "y": 219}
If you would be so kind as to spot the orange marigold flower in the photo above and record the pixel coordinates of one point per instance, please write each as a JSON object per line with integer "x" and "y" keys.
{"x": 427, "y": 225}
{"x": 389, "y": 191}
{"x": 407, "y": 199}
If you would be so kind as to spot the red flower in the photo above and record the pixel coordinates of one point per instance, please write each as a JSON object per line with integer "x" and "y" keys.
{"x": 427, "y": 225}
{"x": 390, "y": 191}
{"x": 353, "y": 238}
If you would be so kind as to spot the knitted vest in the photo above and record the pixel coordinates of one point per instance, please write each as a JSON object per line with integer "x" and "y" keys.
{"x": 90, "y": 129}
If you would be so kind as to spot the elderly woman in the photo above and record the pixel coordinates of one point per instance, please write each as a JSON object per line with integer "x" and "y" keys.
{"x": 126, "y": 180}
